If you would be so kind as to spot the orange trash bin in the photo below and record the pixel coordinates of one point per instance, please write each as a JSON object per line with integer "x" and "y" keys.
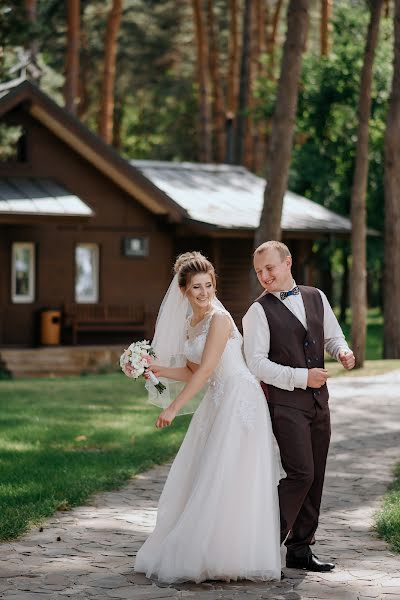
{"x": 50, "y": 327}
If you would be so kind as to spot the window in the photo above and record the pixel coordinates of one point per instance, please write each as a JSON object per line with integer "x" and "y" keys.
{"x": 23, "y": 272}
{"x": 87, "y": 273}
{"x": 136, "y": 246}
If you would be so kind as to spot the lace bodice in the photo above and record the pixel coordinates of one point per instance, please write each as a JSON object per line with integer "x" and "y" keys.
{"x": 231, "y": 365}
{"x": 196, "y": 336}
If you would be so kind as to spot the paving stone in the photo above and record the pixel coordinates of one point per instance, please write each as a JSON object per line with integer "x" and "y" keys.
{"x": 111, "y": 581}
{"x": 142, "y": 593}
{"x": 5, "y": 573}
{"x": 26, "y": 595}
{"x": 137, "y": 578}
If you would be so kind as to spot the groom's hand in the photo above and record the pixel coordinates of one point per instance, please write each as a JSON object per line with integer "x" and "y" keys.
{"x": 347, "y": 359}
{"x": 317, "y": 377}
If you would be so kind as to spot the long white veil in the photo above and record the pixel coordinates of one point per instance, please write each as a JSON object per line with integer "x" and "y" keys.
{"x": 168, "y": 344}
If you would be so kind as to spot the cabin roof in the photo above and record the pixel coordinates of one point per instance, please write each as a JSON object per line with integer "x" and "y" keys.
{"x": 217, "y": 197}
{"x": 39, "y": 196}
{"x": 230, "y": 196}
{"x": 87, "y": 144}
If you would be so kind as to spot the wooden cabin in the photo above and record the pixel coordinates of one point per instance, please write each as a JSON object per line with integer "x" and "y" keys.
{"x": 93, "y": 237}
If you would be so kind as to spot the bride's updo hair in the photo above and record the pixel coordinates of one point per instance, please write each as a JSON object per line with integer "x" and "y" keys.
{"x": 192, "y": 263}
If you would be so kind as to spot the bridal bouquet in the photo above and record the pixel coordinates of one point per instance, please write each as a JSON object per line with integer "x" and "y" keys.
{"x": 136, "y": 359}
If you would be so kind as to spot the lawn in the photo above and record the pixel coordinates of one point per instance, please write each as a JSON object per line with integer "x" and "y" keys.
{"x": 63, "y": 439}
{"x": 374, "y": 363}
{"x": 374, "y": 348}
{"x": 388, "y": 518}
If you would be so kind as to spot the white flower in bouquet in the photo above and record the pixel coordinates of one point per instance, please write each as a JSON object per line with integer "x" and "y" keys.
{"x": 135, "y": 361}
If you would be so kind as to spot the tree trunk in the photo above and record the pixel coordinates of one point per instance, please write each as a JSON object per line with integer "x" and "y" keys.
{"x": 33, "y": 44}
{"x": 253, "y": 73}
{"x": 233, "y": 80}
{"x": 218, "y": 95}
{"x": 84, "y": 95}
{"x": 205, "y": 141}
{"x": 271, "y": 45}
{"x": 30, "y": 7}
{"x": 244, "y": 85}
{"x": 392, "y": 207}
{"x": 110, "y": 56}
{"x": 326, "y": 15}
{"x": 344, "y": 292}
{"x": 283, "y": 121}
{"x": 260, "y": 133}
{"x": 117, "y": 129}
{"x": 72, "y": 59}
{"x": 358, "y": 279}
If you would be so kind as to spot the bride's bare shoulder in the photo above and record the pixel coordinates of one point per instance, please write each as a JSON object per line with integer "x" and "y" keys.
{"x": 221, "y": 321}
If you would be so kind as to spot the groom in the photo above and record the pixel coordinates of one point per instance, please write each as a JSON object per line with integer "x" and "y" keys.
{"x": 285, "y": 333}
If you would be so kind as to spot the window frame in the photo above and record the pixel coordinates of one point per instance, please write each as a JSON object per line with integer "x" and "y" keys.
{"x": 28, "y": 298}
{"x": 94, "y": 299}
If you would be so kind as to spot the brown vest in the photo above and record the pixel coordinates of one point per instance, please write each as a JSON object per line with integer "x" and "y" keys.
{"x": 291, "y": 345}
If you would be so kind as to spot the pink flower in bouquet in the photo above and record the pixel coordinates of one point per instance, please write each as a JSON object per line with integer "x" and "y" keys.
{"x": 135, "y": 360}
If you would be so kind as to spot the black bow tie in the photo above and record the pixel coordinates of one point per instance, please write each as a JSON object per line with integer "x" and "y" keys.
{"x": 292, "y": 292}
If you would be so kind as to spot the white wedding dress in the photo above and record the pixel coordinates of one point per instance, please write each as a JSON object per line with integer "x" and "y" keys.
{"x": 218, "y": 514}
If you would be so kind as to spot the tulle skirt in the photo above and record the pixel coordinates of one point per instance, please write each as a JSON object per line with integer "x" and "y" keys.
{"x": 218, "y": 515}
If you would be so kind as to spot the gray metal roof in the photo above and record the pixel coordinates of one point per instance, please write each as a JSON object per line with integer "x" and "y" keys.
{"x": 230, "y": 196}
{"x": 39, "y": 196}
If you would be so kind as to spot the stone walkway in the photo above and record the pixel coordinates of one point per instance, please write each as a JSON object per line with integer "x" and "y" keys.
{"x": 88, "y": 553}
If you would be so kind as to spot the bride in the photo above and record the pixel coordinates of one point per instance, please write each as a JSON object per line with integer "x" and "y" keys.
{"x": 218, "y": 515}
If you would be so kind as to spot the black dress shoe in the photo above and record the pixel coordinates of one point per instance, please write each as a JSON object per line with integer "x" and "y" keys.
{"x": 309, "y": 563}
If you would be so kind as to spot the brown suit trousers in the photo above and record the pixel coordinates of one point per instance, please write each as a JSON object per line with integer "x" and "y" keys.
{"x": 303, "y": 437}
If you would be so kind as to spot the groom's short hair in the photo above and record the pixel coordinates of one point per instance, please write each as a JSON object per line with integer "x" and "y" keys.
{"x": 274, "y": 245}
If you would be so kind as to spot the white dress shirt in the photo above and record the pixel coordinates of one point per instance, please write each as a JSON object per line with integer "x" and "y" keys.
{"x": 256, "y": 334}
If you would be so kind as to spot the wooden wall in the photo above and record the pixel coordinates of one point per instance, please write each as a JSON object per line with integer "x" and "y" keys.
{"x": 123, "y": 280}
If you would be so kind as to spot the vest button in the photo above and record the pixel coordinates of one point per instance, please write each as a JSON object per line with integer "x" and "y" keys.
{"x": 306, "y": 344}
{"x": 308, "y": 360}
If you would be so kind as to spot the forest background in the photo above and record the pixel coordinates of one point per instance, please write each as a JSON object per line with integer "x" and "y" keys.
{"x": 157, "y": 108}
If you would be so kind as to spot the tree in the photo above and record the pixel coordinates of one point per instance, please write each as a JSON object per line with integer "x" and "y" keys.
{"x": 248, "y": 159}
{"x": 271, "y": 40}
{"x": 244, "y": 81}
{"x": 326, "y": 15}
{"x": 259, "y": 147}
{"x": 283, "y": 121}
{"x": 110, "y": 55}
{"x": 359, "y": 192}
{"x": 31, "y": 9}
{"x": 323, "y": 157}
{"x": 232, "y": 80}
{"x": 72, "y": 56}
{"x": 203, "y": 79}
{"x": 392, "y": 206}
{"x": 218, "y": 95}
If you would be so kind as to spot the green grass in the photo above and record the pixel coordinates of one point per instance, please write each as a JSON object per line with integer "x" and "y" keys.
{"x": 63, "y": 439}
{"x": 374, "y": 346}
{"x": 388, "y": 518}
{"x": 370, "y": 368}
{"x": 374, "y": 363}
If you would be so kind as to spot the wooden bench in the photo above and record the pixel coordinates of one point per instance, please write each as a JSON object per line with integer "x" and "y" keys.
{"x": 106, "y": 318}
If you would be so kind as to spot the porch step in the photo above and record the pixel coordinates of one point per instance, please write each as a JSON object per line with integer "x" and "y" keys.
{"x": 59, "y": 361}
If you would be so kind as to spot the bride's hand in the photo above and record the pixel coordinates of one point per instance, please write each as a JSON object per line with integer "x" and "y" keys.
{"x": 158, "y": 370}
{"x": 165, "y": 418}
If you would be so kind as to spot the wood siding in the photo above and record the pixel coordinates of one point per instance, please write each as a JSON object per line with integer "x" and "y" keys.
{"x": 123, "y": 280}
